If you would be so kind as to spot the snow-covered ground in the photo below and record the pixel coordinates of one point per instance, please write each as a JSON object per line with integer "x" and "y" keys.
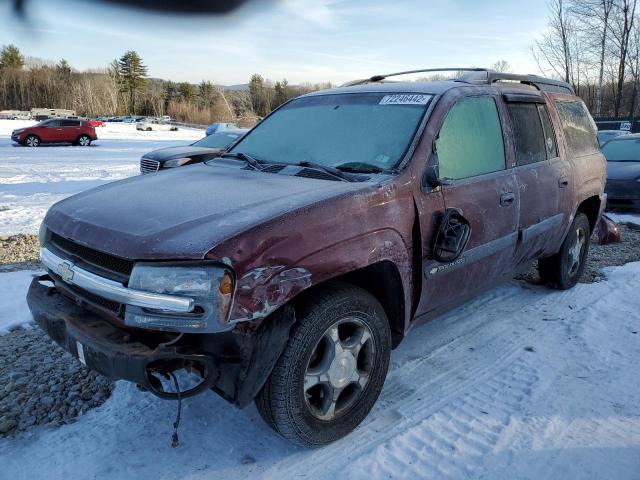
{"x": 14, "y": 311}
{"x": 524, "y": 382}
{"x": 33, "y": 179}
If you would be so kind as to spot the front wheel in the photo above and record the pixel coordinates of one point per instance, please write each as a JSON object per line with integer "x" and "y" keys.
{"x": 564, "y": 269}
{"x": 331, "y": 371}
{"x": 32, "y": 141}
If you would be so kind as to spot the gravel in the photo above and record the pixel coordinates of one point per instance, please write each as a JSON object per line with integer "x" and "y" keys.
{"x": 41, "y": 384}
{"x": 19, "y": 252}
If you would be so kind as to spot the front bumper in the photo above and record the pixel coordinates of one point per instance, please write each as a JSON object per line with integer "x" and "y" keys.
{"x": 16, "y": 138}
{"x": 112, "y": 352}
{"x": 235, "y": 364}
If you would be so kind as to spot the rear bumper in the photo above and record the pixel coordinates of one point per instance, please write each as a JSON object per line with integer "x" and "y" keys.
{"x": 110, "y": 351}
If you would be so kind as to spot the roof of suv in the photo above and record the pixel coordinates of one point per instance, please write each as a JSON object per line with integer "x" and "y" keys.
{"x": 472, "y": 77}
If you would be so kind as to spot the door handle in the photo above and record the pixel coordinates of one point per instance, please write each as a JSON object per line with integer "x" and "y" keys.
{"x": 563, "y": 181}
{"x": 507, "y": 199}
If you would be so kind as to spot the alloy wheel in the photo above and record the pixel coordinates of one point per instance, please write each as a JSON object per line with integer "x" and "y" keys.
{"x": 576, "y": 251}
{"x": 339, "y": 368}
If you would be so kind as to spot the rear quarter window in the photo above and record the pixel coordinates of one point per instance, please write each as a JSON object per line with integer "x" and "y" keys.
{"x": 579, "y": 128}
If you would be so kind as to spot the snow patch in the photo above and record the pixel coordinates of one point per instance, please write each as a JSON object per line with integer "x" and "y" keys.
{"x": 13, "y": 291}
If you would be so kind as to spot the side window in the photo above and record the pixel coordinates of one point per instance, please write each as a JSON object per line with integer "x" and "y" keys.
{"x": 53, "y": 123}
{"x": 549, "y": 134}
{"x": 70, "y": 123}
{"x": 470, "y": 141}
{"x": 527, "y": 132}
{"x": 579, "y": 128}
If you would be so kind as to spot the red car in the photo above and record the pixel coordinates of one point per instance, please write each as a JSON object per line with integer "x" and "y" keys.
{"x": 56, "y": 130}
{"x": 95, "y": 123}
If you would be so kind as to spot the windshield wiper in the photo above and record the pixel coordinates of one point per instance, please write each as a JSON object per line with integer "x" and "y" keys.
{"x": 358, "y": 167}
{"x": 331, "y": 170}
{"x": 256, "y": 164}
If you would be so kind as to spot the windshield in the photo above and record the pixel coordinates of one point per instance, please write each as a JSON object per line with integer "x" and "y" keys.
{"x": 373, "y": 129}
{"x": 627, "y": 150}
{"x": 218, "y": 140}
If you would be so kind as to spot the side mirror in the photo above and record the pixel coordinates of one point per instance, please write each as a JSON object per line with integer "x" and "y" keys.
{"x": 452, "y": 237}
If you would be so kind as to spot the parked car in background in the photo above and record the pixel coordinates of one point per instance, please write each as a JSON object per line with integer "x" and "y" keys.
{"x": 200, "y": 151}
{"x": 149, "y": 124}
{"x": 216, "y": 127}
{"x": 56, "y": 130}
{"x": 95, "y": 122}
{"x": 286, "y": 270}
{"x": 605, "y": 135}
{"x": 623, "y": 171}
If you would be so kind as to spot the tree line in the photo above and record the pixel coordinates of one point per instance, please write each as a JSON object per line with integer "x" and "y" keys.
{"x": 124, "y": 88}
{"x": 595, "y": 46}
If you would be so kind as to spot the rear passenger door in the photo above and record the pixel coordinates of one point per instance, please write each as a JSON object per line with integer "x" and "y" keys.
{"x": 541, "y": 176}
{"x": 70, "y": 130}
{"x": 472, "y": 162}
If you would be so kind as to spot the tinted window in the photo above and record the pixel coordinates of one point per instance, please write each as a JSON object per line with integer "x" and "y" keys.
{"x": 470, "y": 141}
{"x": 627, "y": 150}
{"x": 70, "y": 123}
{"x": 527, "y": 132}
{"x": 549, "y": 134}
{"x": 53, "y": 123}
{"x": 579, "y": 129}
{"x": 360, "y": 128}
{"x": 218, "y": 140}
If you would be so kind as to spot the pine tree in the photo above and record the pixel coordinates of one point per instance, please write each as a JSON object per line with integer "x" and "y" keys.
{"x": 11, "y": 58}
{"x": 132, "y": 75}
{"x": 63, "y": 68}
{"x": 207, "y": 93}
{"x": 187, "y": 91}
{"x": 256, "y": 91}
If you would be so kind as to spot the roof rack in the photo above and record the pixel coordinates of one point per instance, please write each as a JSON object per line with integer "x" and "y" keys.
{"x": 481, "y": 76}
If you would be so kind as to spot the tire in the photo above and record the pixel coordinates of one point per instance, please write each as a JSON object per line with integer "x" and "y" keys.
{"x": 564, "y": 269}
{"x": 149, "y": 129}
{"x": 340, "y": 348}
{"x": 31, "y": 141}
{"x": 83, "y": 140}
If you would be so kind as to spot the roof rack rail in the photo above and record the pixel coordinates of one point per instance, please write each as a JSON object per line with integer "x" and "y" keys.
{"x": 480, "y": 76}
{"x": 379, "y": 78}
{"x": 541, "y": 83}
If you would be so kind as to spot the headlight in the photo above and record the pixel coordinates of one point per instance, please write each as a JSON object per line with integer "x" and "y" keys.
{"x": 176, "y": 162}
{"x": 210, "y": 285}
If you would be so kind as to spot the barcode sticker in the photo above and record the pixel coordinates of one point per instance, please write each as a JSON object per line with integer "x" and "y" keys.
{"x": 405, "y": 99}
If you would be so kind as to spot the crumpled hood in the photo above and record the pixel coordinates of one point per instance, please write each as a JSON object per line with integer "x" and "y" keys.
{"x": 623, "y": 170}
{"x": 181, "y": 151}
{"x": 183, "y": 213}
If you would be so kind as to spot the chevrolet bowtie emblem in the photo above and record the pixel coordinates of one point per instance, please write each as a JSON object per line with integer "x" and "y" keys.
{"x": 65, "y": 271}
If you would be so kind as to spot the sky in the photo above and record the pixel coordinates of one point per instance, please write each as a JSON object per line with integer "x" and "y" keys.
{"x": 304, "y": 41}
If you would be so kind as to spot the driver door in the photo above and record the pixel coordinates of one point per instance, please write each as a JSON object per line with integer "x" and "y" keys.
{"x": 474, "y": 181}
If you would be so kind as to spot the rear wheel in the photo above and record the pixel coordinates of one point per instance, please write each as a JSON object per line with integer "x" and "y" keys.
{"x": 84, "y": 140}
{"x": 332, "y": 370}
{"x": 32, "y": 141}
{"x": 564, "y": 269}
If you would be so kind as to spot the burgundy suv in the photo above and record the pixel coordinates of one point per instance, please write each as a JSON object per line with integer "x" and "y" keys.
{"x": 56, "y": 130}
{"x": 285, "y": 270}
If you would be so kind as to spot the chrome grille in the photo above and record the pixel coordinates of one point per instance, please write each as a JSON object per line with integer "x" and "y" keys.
{"x": 149, "y": 166}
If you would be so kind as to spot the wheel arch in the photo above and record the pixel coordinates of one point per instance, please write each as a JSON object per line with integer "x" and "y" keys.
{"x": 591, "y": 208}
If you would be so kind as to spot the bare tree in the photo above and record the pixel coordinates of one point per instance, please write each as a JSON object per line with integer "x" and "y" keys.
{"x": 553, "y": 51}
{"x": 624, "y": 16}
{"x": 596, "y": 15}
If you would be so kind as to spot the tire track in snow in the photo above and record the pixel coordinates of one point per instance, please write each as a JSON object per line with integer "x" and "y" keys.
{"x": 428, "y": 384}
{"x": 454, "y": 441}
